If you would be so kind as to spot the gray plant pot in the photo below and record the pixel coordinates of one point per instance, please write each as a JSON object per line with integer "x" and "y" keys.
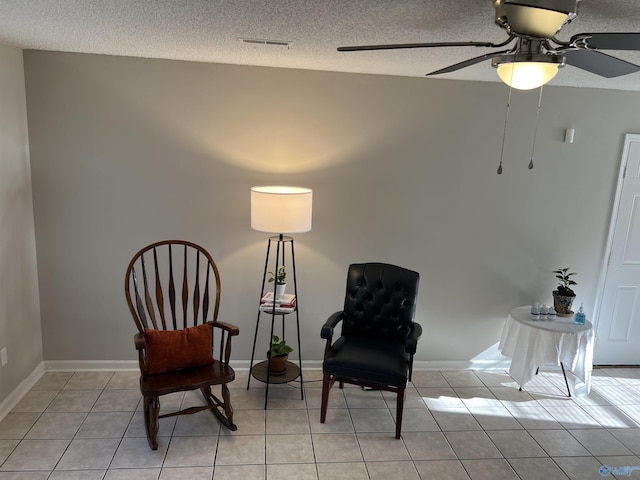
{"x": 563, "y": 304}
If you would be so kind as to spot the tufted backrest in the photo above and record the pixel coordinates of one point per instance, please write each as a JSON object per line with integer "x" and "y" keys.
{"x": 380, "y": 301}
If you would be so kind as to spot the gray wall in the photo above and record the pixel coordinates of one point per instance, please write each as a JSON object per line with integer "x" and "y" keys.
{"x": 128, "y": 151}
{"x": 20, "y": 330}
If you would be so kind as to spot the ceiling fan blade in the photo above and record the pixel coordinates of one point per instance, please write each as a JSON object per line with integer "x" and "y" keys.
{"x": 599, "y": 63}
{"x": 466, "y": 63}
{"x": 416, "y": 45}
{"x": 608, "y": 41}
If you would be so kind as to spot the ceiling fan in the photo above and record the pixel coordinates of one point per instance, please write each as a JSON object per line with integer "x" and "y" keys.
{"x": 536, "y": 54}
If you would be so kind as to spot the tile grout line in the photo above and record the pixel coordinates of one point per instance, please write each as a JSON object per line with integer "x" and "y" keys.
{"x": 566, "y": 427}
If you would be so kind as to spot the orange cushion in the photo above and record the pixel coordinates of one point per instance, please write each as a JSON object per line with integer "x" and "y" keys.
{"x": 168, "y": 350}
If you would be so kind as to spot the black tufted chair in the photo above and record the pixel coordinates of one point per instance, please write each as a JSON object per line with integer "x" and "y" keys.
{"x": 379, "y": 336}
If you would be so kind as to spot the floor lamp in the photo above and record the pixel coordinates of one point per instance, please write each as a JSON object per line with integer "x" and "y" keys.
{"x": 280, "y": 210}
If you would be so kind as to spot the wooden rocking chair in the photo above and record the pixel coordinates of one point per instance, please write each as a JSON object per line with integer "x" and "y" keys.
{"x": 173, "y": 291}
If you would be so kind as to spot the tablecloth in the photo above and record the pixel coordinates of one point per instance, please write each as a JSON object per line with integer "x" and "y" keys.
{"x": 534, "y": 343}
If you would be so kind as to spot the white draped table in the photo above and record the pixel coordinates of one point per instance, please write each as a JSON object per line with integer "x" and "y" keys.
{"x": 535, "y": 343}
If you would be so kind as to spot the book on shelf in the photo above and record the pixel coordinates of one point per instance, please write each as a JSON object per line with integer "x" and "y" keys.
{"x": 287, "y": 301}
{"x": 275, "y": 309}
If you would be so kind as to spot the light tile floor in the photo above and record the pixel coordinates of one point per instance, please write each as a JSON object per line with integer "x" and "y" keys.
{"x": 458, "y": 425}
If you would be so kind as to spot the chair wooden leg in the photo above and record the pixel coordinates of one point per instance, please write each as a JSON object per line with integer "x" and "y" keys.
{"x": 399, "y": 409}
{"x": 151, "y": 423}
{"x": 225, "y": 418}
{"x": 228, "y": 409}
{"x": 326, "y": 386}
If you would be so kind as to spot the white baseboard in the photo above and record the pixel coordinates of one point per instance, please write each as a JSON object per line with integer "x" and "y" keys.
{"x": 89, "y": 365}
{"x": 122, "y": 365}
{"x": 21, "y": 390}
{"x": 132, "y": 365}
{"x": 477, "y": 365}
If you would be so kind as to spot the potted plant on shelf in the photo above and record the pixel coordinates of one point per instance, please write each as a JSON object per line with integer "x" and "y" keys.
{"x": 563, "y": 296}
{"x": 280, "y": 277}
{"x": 278, "y": 356}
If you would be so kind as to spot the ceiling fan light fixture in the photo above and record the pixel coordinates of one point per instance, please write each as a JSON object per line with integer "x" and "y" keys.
{"x": 535, "y": 18}
{"x": 528, "y": 73}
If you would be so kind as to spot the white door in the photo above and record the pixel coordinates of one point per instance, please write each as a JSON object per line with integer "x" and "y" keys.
{"x": 618, "y": 320}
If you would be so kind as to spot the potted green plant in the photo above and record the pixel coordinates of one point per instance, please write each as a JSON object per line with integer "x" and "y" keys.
{"x": 278, "y": 356}
{"x": 280, "y": 277}
{"x": 563, "y": 296}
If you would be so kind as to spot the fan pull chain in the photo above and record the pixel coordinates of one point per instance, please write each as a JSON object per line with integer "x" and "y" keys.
{"x": 504, "y": 132}
{"x": 535, "y": 131}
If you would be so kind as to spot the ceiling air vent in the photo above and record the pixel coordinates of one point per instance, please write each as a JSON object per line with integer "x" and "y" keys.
{"x": 260, "y": 41}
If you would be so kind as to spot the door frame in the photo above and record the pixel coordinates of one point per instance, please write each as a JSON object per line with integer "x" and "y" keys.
{"x": 629, "y": 138}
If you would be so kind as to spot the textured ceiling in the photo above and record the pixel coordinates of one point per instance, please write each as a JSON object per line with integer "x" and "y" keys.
{"x": 209, "y": 31}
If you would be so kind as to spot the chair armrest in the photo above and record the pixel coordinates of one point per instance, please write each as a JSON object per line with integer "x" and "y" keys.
{"x": 412, "y": 340}
{"x": 225, "y": 346}
{"x": 232, "y": 329}
{"x": 332, "y": 321}
{"x": 141, "y": 345}
{"x": 139, "y": 340}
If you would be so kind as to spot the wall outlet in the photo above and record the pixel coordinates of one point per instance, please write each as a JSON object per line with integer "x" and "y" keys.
{"x": 3, "y": 356}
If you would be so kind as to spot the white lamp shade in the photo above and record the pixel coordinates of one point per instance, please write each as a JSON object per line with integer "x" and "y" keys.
{"x": 278, "y": 209}
{"x": 527, "y": 75}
